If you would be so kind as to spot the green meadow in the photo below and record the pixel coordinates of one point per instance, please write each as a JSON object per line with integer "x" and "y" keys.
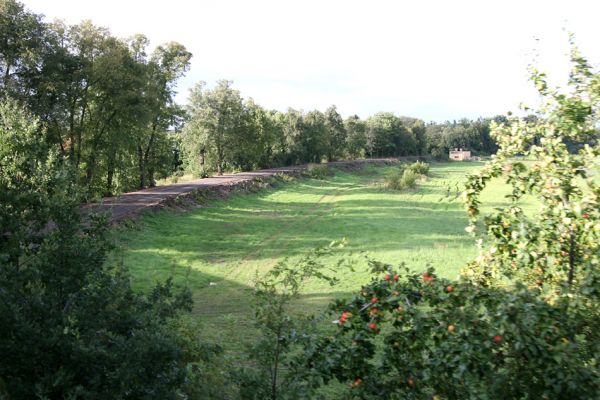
{"x": 218, "y": 250}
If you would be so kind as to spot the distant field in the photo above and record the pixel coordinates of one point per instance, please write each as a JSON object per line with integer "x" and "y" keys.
{"x": 218, "y": 250}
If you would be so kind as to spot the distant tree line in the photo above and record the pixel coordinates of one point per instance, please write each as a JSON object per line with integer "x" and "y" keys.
{"x": 226, "y": 132}
{"x": 108, "y": 108}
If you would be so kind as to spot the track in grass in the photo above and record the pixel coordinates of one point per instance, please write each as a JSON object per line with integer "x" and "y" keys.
{"x": 217, "y": 251}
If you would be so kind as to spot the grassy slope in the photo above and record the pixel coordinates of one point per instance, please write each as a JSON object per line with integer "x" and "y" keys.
{"x": 217, "y": 251}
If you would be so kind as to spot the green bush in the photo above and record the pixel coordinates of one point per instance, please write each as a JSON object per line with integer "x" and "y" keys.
{"x": 419, "y": 167}
{"x": 400, "y": 179}
{"x": 409, "y": 179}
{"x": 392, "y": 180}
{"x": 71, "y": 326}
{"x": 417, "y": 336}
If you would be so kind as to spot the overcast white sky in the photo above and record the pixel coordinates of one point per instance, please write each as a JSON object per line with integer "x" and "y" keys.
{"x": 435, "y": 60}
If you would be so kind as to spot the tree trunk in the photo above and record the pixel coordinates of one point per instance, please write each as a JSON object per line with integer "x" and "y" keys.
{"x": 6, "y": 76}
{"x": 111, "y": 172}
{"x": 142, "y": 167}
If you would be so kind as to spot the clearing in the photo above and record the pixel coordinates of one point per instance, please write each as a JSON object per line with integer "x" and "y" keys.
{"x": 217, "y": 251}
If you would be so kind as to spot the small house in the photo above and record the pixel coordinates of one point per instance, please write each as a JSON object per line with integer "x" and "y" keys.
{"x": 460, "y": 155}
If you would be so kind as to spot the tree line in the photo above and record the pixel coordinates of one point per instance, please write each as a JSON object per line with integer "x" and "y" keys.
{"x": 227, "y": 132}
{"x": 108, "y": 107}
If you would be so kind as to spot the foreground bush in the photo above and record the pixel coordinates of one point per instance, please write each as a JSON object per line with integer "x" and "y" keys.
{"x": 70, "y": 325}
{"x": 523, "y": 319}
{"x": 409, "y": 335}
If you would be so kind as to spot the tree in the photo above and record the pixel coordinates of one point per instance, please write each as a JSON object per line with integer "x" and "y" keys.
{"x": 335, "y": 134}
{"x": 388, "y": 136}
{"x": 215, "y": 118}
{"x": 313, "y": 138}
{"x": 21, "y": 44}
{"x": 356, "y": 139}
{"x": 167, "y": 64}
{"x": 105, "y": 104}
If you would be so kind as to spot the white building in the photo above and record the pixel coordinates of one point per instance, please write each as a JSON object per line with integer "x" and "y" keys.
{"x": 460, "y": 155}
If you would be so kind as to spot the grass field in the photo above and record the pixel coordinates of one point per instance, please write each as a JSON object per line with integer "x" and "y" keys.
{"x": 218, "y": 250}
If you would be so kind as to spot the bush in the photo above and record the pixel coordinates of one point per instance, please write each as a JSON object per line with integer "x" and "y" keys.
{"x": 392, "y": 180}
{"x": 419, "y": 168}
{"x": 412, "y": 335}
{"x": 400, "y": 179}
{"x": 409, "y": 179}
{"x": 71, "y": 326}
{"x": 282, "y": 330}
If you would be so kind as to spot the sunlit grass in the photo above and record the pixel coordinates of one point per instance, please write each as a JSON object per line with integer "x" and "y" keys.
{"x": 218, "y": 251}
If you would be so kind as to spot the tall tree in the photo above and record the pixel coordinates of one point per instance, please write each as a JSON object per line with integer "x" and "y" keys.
{"x": 335, "y": 134}
{"x": 356, "y": 139}
{"x": 167, "y": 64}
{"x": 215, "y": 118}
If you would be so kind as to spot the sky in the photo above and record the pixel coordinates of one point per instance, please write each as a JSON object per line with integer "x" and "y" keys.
{"x": 434, "y": 60}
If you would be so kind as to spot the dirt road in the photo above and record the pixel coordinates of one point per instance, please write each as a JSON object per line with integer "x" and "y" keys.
{"x": 128, "y": 205}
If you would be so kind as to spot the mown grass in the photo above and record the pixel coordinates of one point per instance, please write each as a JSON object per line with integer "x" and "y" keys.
{"x": 217, "y": 251}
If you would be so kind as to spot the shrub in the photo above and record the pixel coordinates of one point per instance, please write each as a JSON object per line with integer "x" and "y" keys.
{"x": 419, "y": 168}
{"x": 281, "y": 333}
{"x": 409, "y": 179}
{"x": 392, "y": 180}
{"x": 71, "y": 326}
{"x": 413, "y": 335}
{"x": 400, "y": 179}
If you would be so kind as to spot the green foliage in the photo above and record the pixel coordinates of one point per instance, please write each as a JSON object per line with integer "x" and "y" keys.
{"x": 522, "y": 321}
{"x": 387, "y": 135}
{"x": 335, "y": 133}
{"x": 399, "y": 179}
{"x": 105, "y": 104}
{"x": 419, "y": 168}
{"x": 282, "y": 330}
{"x": 210, "y": 137}
{"x": 409, "y": 179}
{"x": 473, "y": 135}
{"x": 412, "y": 335}
{"x": 70, "y": 324}
{"x": 356, "y": 139}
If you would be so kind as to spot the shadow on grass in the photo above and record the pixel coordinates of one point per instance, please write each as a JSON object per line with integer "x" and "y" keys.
{"x": 215, "y": 251}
